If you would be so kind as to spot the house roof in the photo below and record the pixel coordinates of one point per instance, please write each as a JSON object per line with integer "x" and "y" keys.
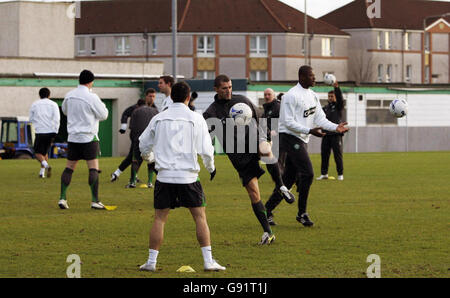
{"x": 395, "y": 14}
{"x": 137, "y": 16}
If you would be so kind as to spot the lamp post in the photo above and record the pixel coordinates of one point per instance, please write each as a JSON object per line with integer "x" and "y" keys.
{"x": 305, "y": 38}
{"x": 174, "y": 40}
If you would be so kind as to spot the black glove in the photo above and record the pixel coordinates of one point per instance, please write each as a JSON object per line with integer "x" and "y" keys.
{"x": 213, "y": 174}
{"x": 122, "y": 131}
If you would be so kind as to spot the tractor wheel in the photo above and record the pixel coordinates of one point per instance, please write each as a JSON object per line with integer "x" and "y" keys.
{"x": 23, "y": 156}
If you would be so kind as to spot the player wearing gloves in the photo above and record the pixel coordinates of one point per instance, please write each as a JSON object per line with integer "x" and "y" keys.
{"x": 150, "y": 95}
{"x": 300, "y": 116}
{"x": 139, "y": 121}
{"x": 333, "y": 140}
{"x": 176, "y": 136}
{"x": 123, "y": 128}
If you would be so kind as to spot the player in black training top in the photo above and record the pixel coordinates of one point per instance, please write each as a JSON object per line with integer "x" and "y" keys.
{"x": 140, "y": 119}
{"x": 150, "y": 95}
{"x": 333, "y": 140}
{"x": 246, "y": 163}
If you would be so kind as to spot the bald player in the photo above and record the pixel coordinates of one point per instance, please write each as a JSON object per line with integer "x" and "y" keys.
{"x": 271, "y": 109}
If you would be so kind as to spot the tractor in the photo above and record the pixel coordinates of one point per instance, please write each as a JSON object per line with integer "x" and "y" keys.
{"x": 16, "y": 138}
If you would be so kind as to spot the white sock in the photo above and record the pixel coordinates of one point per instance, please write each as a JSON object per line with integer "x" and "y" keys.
{"x": 44, "y": 163}
{"x": 42, "y": 172}
{"x": 207, "y": 254}
{"x": 152, "y": 256}
{"x": 117, "y": 172}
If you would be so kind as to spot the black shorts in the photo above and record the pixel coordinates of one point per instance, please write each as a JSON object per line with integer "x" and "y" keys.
{"x": 86, "y": 151}
{"x": 43, "y": 142}
{"x": 249, "y": 170}
{"x": 171, "y": 195}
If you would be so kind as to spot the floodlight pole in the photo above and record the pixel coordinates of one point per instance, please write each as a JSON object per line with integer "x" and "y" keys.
{"x": 356, "y": 122}
{"x": 174, "y": 39}
{"x": 306, "y": 36}
{"x": 407, "y": 131}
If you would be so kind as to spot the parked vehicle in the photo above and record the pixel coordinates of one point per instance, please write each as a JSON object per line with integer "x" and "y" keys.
{"x": 17, "y": 137}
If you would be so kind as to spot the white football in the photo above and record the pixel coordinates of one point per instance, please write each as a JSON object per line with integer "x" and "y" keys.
{"x": 329, "y": 79}
{"x": 398, "y": 107}
{"x": 241, "y": 113}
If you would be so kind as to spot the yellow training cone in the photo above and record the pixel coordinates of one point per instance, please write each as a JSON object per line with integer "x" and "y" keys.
{"x": 331, "y": 178}
{"x": 185, "y": 269}
{"x": 143, "y": 186}
{"x": 110, "y": 208}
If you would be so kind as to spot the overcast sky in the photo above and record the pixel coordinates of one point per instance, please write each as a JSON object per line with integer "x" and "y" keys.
{"x": 318, "y": 8}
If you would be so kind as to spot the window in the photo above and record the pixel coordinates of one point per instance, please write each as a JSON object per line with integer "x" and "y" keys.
{"x": 407, "y": 41}
{"x": 206, "y": 45}
{"x": 380, "y": 73}
{"x": 327, "y": 47}
{"x": 122, "y": 45}
{"x": 427, "y": 41}
{"x": 258, "y": 45}
{"x": 154, "y": 45}
{"x": 408, "y": 73}
{"x": 4, "y": 132}
{"x": 374, "y": 103}
{"x": 206, "y": 75}
{"x": 93, "y": 46}
{"x": 9, "y": 132}
{"x": 388, "y": 40}
{"x": 380, "y": 40}
{"x": 258, "y": 75}
{"x": 377, "y": 112}
{"x": 427, "y": 74}
{"x": 81, "y": 50}
{"x": 389, "y": 73}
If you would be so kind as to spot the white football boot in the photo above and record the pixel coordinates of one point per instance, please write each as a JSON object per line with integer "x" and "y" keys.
{"x": 63, "y": 204}
{"x": 267, "y": 239}
{"x": 148, "y": 267}
{"x": 287, "y": 195}
{"x": 322, "y": 177}
{"x": 213, "y": 266}
{"x": 97, "y": 205}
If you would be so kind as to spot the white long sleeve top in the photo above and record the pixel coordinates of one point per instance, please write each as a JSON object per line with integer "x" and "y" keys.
{"x": 166, "y": 103}
{"x": 300, "y": 111}
{"x": 84, "y": 110}
{"x": 44, "y": 114}
{"x": 176, "y": 136}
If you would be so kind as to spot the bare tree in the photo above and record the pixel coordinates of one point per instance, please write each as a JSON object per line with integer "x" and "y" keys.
{"x": 361, "y": 66}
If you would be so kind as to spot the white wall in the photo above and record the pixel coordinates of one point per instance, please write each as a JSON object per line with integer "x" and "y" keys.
{"x": 427, "y": 110}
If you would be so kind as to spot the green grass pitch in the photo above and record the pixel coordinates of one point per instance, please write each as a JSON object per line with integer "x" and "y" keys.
{"x": 395, "y": 205}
